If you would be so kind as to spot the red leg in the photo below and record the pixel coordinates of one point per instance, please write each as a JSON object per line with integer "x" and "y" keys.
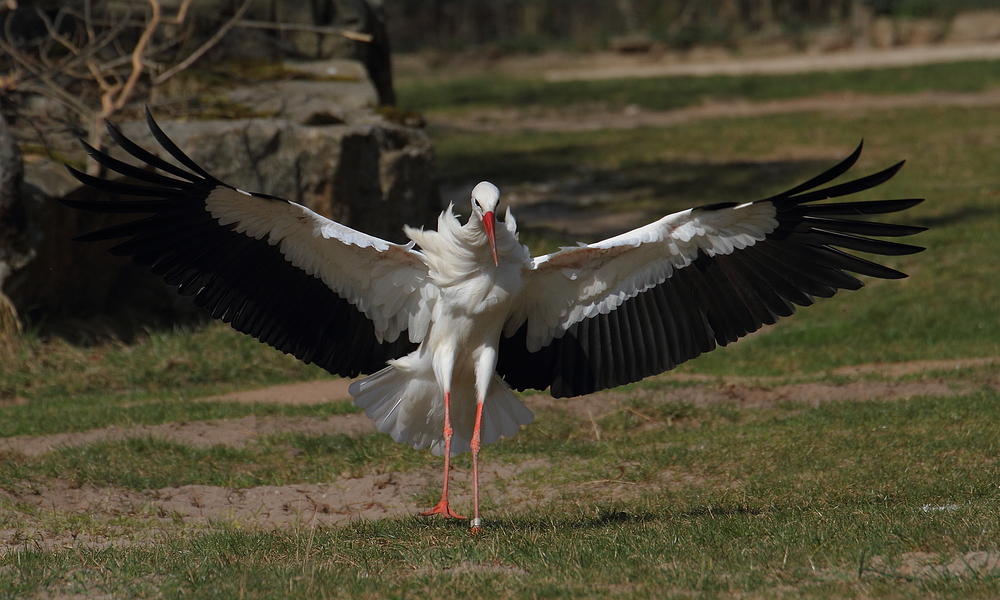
{"x": 477, "y": 523}
{"x": 442, "y": 506}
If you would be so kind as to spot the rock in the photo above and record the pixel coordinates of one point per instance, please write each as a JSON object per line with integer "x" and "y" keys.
{"x": 62, "y": 280}
{"x": 920, "y": 32}
{"x": 375, "y": 177}
{"x": 12, "y": 218}
{"x": 633, "y": 43}
{"x": 10, "y": 324}
{"x": 883, "y": 32}
{"x": 975, "y": 26}
{"x": 344, "y": 95}
{"x": 354, "y": 174}
{"x": 363, "y": 37}
{"x": 827, "y": 39}
{"x": 14, "y": 251}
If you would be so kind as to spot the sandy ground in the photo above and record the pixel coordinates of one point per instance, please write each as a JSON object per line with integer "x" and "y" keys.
{"x": 380, "y": 495}
{"x": 544, "y": 120}
{"x": 849, "y": 60}
{"x": 346, "y": 499}
{"x": 748, "y": 392}
{"x": 698, "y": 62}
{"x": 199, "y": 434}
{"x": 396, "y": 495}
{"x": 556, "y": 66}
{"x": 927, "y": 565}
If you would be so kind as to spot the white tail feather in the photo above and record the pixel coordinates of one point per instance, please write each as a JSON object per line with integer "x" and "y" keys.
{"x": 410, "y": 408}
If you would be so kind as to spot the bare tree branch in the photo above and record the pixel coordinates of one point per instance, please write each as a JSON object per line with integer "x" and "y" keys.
{"x": 85, "y": 64}
{"x": 140, "y": 47}
{"x": 88, "y": 21}
{"x": 181, "y": 13}
{"x": 187, "y": 62}
{"x": 347, "y": 33}
{"x": 54, "y": 34}
{"x": 58, "y": 93}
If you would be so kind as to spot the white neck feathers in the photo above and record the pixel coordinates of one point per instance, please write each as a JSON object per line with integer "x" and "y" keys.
{"x": 456, "y": 252}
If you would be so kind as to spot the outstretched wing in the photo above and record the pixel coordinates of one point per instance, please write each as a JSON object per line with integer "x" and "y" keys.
{"x": 271, "y": 268}
{"x": 614, "y": 312}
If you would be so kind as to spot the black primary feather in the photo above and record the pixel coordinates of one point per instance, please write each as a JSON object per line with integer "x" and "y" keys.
{"x": 717, "y": 300}
{"x": 242, "y": 281}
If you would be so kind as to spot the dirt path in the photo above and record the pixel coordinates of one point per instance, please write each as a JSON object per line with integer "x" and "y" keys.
{"x": 698, "y": 62}
{"x": 199, "y": 434}
{"x": 708, "y": 390}
{"x": 577, "y": 119}
{"x": 346, "y": 499}
{"x": 851, "y": 60}
{"x": 378, "y": 495}
{"x": 307, "y": 392}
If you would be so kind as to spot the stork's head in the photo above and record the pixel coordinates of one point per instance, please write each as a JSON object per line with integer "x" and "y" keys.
{"x": 485, "y": 198}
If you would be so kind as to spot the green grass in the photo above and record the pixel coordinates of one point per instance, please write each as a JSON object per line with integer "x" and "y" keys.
{"x": 206, "y": 360}
{"x": 946, "y": 309}
{"x": 82, "y": 413}
{"x": 152, "y": 463}
{"x": 798, "y": 497}
{"x": 665, "y": 93}
{"x": 658, "y": 498}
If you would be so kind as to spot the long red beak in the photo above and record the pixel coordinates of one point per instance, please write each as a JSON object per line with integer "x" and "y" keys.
{"x": 489, "y": 220}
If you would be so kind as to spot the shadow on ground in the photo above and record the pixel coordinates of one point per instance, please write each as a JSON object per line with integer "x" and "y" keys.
{"x": 556, "y": 196}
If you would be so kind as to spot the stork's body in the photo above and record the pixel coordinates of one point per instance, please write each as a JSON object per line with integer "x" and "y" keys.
{"x": 448, "y": 329}
{"x": 477, "y": 275}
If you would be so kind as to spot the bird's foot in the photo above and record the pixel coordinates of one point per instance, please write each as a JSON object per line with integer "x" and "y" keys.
{"x": 475, "y": 526}
{"x": 443, "y": 508}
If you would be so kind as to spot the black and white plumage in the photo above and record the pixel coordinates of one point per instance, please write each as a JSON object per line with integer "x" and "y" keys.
{"x": 470, "y": 314}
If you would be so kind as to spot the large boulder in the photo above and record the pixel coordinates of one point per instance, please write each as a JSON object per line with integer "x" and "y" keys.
{"x": 975, "y": 26}
{"x": 309, "y": 30}
{"x": 334, "y": 91}
{"x": 375, "y": 177}
{"x": 14, "y": 249}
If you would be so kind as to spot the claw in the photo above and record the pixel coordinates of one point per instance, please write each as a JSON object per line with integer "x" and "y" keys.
{"x": 443, "y": 508}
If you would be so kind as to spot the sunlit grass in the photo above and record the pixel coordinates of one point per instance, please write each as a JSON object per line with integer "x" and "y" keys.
{"x": 655, "y": 498}
{"x": 208, "y": 359}
{"x": 82, "y": 413}
{"x": 143, "y": 463}
{"x": 804, "y": 497}
{"x": 946, "y": 309}
{"x": 664, "y": 93}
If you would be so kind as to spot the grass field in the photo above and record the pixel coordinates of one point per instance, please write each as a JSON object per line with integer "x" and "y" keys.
{"x": 665, "y": 93}
{"x": 769, "y": 469}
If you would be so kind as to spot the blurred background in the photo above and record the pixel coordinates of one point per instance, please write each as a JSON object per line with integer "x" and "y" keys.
{"x": 593, "y": 116}
{"x": 851, "y": 450}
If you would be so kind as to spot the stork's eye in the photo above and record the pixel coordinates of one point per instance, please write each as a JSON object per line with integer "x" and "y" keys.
{"x": 476, "y": 202}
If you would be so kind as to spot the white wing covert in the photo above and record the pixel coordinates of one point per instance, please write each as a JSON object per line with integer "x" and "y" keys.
{"x": 579, "y": 283}
{"x": 610, "y": 313}
{"x": 271, "y": 268}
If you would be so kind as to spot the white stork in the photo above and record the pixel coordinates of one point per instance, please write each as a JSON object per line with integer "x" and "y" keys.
{"x": 465, "y": 312}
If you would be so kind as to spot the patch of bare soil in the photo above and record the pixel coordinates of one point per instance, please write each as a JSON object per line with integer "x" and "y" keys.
{"x": 851, "y": 60}
{"x": 748, "y": 392}
{"x": 925, "y": 565}
{"x": 903, "y": 369}
{"x": 574, "y": 119}
{"x": 392, "y": 495}
{"x": 200, "y": 434}
{"x": 697, "y": 61}
{"x": 307, "y": 392}
{"x": 369, "y": 497}
{"x": 751, "y": 395}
